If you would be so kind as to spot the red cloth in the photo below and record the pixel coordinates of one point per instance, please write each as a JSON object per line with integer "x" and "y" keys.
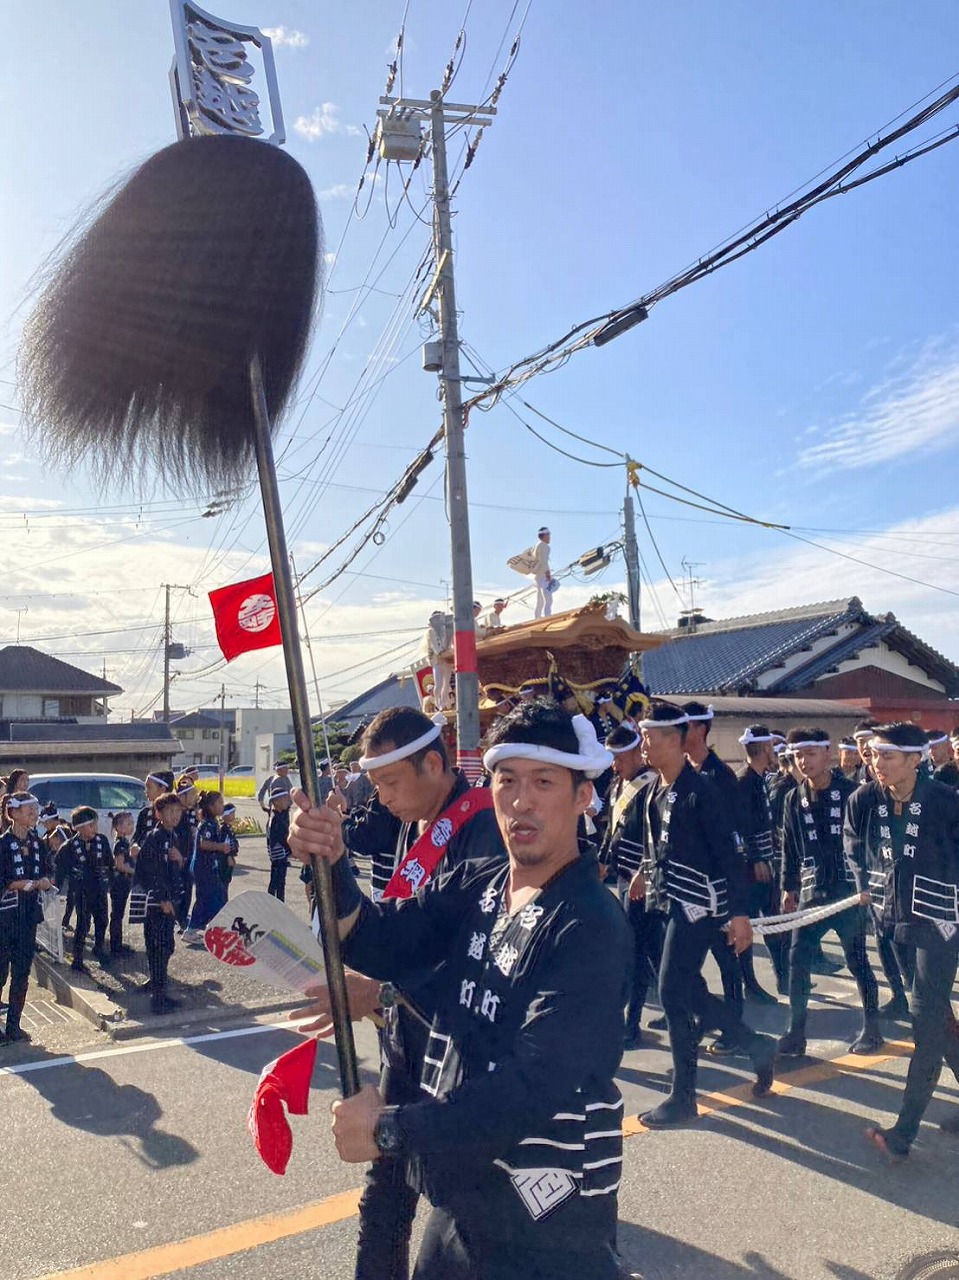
{"x": 246, "y": 616}
{"x": 285, "y": 1079}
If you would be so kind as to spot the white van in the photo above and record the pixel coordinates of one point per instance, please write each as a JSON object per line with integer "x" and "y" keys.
{"x": 106, "y": 792}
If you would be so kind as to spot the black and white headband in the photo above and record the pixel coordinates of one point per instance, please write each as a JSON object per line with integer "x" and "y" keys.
{"x": 749, "y": 737}
{"x": 879, "y": 744}
{"x": 618, "y": 751}
{"x": 706, "y": 715}
{"x": 592, "y": 759}
{"x": 367, "y": 763}
{"x": 664, "y": 724}
{"x": 21, "y": 804}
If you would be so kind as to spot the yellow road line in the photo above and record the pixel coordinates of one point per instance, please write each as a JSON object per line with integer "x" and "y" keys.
{"x": 164, "y": 1259}
{"x": 181, "y": 1255}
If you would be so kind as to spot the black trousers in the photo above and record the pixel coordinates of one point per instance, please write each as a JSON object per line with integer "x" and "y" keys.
{"x": 648, "y": 929}
{"x": 448, "y": 1254}
{"x": 933, "y": 1029}
{"x": 388, "y": 1203}
{"x": 185, "y": 900}
{"x": 687, "y": 1000}
{"x": 119, "y": 894}
{"x": 71, "y": 904}
{"x": 18, "y": 943}
{"x": 92, "y": 902}
{"x": 850, "y": 927}
{"x": 898, "y": 961}
{"x": 159, "y": 941}
{"x": 277, "y": 887}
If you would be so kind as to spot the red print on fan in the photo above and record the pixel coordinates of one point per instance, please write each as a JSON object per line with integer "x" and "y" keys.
{"x": 225, "y": 944}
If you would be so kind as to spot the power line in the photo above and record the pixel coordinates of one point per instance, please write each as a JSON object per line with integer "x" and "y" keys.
{"x": 602, "y": 328}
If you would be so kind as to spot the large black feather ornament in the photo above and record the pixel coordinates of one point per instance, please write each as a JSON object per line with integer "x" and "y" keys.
{"x": 137, "y": 357}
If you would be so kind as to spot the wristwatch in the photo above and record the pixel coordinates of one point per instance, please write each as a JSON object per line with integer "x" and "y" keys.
{"x": 386, "y": 1132}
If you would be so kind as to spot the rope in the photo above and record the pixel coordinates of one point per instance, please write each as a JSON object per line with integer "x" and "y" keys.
{"x": 798, "y": 919}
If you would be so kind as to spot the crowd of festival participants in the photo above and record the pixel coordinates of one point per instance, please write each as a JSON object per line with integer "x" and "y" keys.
{"x": 167, "y": 868}
{"x": 513, "y": 932}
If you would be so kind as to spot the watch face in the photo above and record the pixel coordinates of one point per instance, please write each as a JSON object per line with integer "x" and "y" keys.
{"x": 386, "y": 1135}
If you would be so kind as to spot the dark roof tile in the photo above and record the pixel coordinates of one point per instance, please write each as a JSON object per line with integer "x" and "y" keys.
{"x": 24, "y": 669}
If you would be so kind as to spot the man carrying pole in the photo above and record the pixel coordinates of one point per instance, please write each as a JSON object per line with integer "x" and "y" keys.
{"x": 515, "y": 1134}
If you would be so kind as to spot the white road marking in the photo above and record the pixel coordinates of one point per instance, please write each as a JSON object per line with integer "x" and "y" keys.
{"x": 151, "y": 1047}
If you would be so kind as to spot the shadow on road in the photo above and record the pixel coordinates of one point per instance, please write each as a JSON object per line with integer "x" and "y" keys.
{"x": 87, "y": 1098}
{"x": 657, "y": 1255}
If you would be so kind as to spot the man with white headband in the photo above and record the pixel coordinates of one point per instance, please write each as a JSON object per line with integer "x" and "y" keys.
{"x": 737, "y": 972}
{"x": 849, "y": 758}
{"x": 425, "y": 819}
{"x": 816, "y": 872}
{"x": 861, "y": 736}
{"x": 755, "y": 813}
{"x": 902, "y": 835}
{"x": 516, "y": 1132}
{"x": 940, "y": 758}
{"x": 694, "y": 871}
{"x": 24, "y": 875}
{"x": 620, "y": 857}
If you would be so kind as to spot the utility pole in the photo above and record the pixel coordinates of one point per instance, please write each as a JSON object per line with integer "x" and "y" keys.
{"x": 222, "y": 730}
{"x": 631, "y": 555}
{"x": 400, "y": 138}
{"x": 256, "y": 693}
{"x": 168, "y": 647}
{"x": 166, "y": 656}
{"x": 464, "y": 632}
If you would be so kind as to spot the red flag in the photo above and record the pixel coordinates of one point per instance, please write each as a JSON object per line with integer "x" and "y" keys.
{"x": 285, "y": 1079}
{"x": 246, "y": 616}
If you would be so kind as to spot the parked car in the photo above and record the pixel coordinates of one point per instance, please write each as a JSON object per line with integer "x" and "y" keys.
{"x": 106, "y": 792}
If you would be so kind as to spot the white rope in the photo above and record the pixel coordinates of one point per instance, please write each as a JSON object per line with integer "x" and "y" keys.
{"x": 798, "y": 919}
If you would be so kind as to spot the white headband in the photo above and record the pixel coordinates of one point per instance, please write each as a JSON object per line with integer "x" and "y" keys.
{"x": 749, "y": 737}
{"x": 593, "y": 759}
{"x": 618, "y": 751}
{"x": 708, "y": 715}
{"x": 21, "y": 804}
{"x": 663, "y": 724}
{"x": 367, "y": 763}
{"x": 937, "y": 742}
{"x": 877, "y": 745}
{"x": 813, "y": 742}
{"x": 863, "y": 733}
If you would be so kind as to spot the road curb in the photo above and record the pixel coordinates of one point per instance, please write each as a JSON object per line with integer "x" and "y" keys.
{"x": 78, "y": 993}
{"x": 91, "y": 1002}
{"x": 218, "y": 1019}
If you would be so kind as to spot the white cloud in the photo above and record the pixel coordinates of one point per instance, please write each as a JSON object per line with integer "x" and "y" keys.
{"x": 324, "y": 121}
{"x": 912, "y": 412}
{"x": 788, "y": 574}
{"x": 341, "y": 191}
{"x": 283, "y": 38}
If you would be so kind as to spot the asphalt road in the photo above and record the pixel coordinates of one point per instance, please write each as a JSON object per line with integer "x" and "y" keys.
{"x": 133, "y": 1161}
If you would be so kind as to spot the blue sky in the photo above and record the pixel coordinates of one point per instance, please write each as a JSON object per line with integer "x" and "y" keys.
{"x": 815, "y": 383}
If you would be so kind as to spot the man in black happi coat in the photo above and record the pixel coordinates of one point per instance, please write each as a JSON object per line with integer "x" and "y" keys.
{"x": 516, "y": 1134}
{"x": 902, "y": 835}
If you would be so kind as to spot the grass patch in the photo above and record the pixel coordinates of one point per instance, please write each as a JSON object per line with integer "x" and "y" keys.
{"x": 231, "y": 786}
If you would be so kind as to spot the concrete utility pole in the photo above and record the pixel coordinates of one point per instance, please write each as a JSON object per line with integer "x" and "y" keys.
{"x": 631, "y": 555}
{"x": 166, "y": 656}
{"x": 400, "y": 138}
{"x": 222, "y": 731}
{"x": 169, "y": 649}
